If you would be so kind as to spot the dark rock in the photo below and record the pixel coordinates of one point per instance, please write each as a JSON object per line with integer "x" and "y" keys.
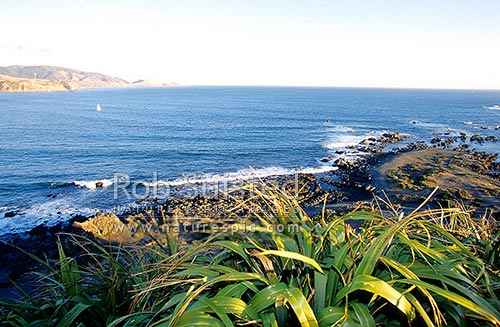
{"x": 463, "y": 137}
{"x": 446, "y": 143}
{"x": 39, "y": 230}
{"x": 477, "y": 138}
{"x": 392, "y": 138}
{"x": 10, "y": 214}
{"x": 435, "y": 140}
{"x": 461, "y": 147}
{"x": 98, "y": 184}
{"x": 419, "y": 145}
{"x": 365, "y": 148}
{"x": 491, "y": 138}
{"x": 342, "y": 163}
{"x": 326, "y": 159}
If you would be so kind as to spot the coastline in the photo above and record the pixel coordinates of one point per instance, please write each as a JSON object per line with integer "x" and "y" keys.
{"x": 404, "y": 175}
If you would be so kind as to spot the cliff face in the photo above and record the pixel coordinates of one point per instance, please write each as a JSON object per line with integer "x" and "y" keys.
{"x": 79, "y": 79}
{"x": 12, "y": 84}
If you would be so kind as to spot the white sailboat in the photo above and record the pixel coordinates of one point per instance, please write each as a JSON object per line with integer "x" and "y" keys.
{"x": 98, "y": 108}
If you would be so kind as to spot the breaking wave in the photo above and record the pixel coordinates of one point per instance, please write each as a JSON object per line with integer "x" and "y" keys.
{"x": 93, "y": 184}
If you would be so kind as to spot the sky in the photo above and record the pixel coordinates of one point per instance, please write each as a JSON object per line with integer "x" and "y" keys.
{"x": 357, "y": 43}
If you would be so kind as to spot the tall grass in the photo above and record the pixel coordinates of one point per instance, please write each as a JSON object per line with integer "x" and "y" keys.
{"x": 69, "y": 294}
{"x": 427, "y": 267}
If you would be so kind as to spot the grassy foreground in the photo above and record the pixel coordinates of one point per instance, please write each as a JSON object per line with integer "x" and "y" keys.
{"x": 424, "y": 268}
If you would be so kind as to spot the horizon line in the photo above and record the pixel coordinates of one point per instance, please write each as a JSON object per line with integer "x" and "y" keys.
{"x": 340, "y": 87}
{"x": 269, "y": 85}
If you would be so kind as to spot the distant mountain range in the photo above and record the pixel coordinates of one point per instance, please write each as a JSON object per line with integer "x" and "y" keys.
{"x": 52, "y": 78}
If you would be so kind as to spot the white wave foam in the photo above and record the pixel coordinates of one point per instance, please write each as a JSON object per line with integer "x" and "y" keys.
{"x": 342, "y": 128}
{"x": 7, "y": 208}
{"x": 48, "y": 214}
{"x": 318, "y": 170}
{"x": 443, "y": 129}
{"x": 92, "y": 185}
{"x": 493, "y": 107}
{"x": 432, "y": 125}
{"x": 249, "y": 174}
{"x": 59, "y": 211}
{"x": 344, "y": 141}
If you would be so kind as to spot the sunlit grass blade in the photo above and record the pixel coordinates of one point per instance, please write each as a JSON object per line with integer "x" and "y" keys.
{"x": 420, "y": 309}
{"x": 478, "y": 306}
{"x": 225, "y": 305}
{"x": 301, "y": 307}
{"x": 195, "y": 292}
{"x": 409, "y": 274}
{"x": 292, "y": 255}
{"x": 379, "y": 244}
{"x": 267, "y": 297}
{"x": 379, "y": 288}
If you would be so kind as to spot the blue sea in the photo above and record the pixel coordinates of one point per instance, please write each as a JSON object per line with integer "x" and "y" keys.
{"x": 55, "y": 147}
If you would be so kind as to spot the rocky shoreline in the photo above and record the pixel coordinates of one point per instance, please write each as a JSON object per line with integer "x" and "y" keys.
{"x": 406, "y": 173}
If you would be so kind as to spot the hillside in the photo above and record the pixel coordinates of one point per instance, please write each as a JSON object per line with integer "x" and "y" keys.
{"x": 79, "y": 79}
{"x": 13, "y": 84}
{"x": 52, "y": 78}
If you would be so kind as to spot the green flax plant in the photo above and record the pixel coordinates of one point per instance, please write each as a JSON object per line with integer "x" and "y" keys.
{"x": 70, "y": 294}
{"x": 282, "y": 267}
{"x": 292, "y": 269}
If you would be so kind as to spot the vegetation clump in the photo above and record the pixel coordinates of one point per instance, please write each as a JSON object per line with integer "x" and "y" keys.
{"x": 426, "y": 267}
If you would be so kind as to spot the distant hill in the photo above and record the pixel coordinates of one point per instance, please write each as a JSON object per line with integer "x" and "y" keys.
{"x": 14, "y": 84}
{"x": 79, "y": 78}
{"x": 52, "y": 78}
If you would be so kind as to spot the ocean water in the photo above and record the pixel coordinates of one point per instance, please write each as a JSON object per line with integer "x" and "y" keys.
{"x": 55, "y": 146}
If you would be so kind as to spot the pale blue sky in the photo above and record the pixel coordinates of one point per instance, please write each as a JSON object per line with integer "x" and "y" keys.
{"x": 434, "y": 44}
